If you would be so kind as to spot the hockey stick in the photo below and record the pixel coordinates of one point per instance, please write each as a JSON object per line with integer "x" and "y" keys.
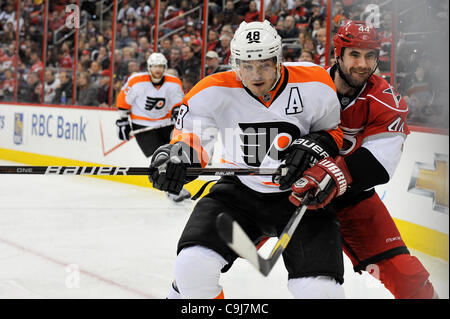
{"x": 146, "y": 129}
{"x": 235, "y": 237}
{"x": 115, "y": 170}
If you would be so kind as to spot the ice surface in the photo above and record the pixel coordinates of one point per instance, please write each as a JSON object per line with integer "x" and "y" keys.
{"x": 83, "y": 237}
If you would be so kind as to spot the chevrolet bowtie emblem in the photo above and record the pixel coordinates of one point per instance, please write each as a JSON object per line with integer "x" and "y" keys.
{"x": 431, "y": 180}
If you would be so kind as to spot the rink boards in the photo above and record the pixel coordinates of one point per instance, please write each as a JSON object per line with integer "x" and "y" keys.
{"x": 417, "y": 195}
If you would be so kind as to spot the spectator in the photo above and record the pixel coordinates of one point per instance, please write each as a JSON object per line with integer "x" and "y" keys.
{"x": 63, "y": 92}
{"x": 290, "y": 30}
{"x": 189, "y": 63}
{"x": 7, "y": 86}
{"x": 310, "y": 45}
{"x": 306, "y": 56}
{"x": 65, "y": 60}
{"x": 28, "y": 92}
{"x": 94, "y": 70}
{"x": 87, "y": 91}
{"x": 103, "y": 58}
{"x": 132, "y": 67}
{"x": 166, "y": 46}
{"x": 124, "y": 39}
{"x": 320, "y": 48}
{"x": 224, "y": 52}
{"x": 229, "y": 15}
{"x": 316, "y": 27}
{"x": 316, "y": 14}
{"x": 117, "y": 86}
{"x": 36, "y": 63}
{"x": 189, "y": 80}
{"x": 213, "y": 40}
{"x": 280, "y": 26}
{"x": 227, "y": 30}
{"x": 50, "y": 85}
{"x": 300, "y": 12}
{"x": 196, "y": 46}
{"x": 212, "y": 63}
{"x": 175, "y": 60}
{"x": 143, "y": 9}
{"x": 103, "y": 89}
{"x": 252, "y": 14}
{"x": 173, "y": 72}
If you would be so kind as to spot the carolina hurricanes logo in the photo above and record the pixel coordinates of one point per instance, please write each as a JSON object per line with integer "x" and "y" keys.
{"x": 262, "y": 140}
{"x": 395, "y": 95}
{"x": 154, "y": 102}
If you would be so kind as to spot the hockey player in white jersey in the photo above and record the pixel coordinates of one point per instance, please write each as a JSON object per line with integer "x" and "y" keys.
{"x": 266, "y": 113}
{"x": 150, "y": 100}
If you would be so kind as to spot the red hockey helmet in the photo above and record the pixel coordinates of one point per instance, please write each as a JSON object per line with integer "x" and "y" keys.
{"x": 356, "y": 34}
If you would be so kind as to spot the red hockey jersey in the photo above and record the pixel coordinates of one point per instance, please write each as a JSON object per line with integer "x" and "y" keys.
{"x": 376, "y": 120}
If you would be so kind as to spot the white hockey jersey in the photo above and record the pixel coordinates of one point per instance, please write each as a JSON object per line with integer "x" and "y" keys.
{"x": 254, "y": 131}
{"x": 149, "y": 105}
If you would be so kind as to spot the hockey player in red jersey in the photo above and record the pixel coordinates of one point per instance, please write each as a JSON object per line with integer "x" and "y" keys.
{"x": 373, "y": 119}
{"x": 262, "y": 109}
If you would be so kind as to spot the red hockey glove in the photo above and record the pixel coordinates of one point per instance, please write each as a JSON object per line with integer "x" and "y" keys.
{"x": 326, "y": 180}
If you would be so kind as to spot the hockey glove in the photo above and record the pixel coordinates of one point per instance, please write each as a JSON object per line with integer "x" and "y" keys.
{"x": 326, "y": 180}
{"x": 303, "y": 154}
{"x": 123, "y": 129}
{"x": 168, "y": 167}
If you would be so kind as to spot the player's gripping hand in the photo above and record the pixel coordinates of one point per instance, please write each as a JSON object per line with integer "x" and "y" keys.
{"x": 168, "y": 167}
{"x": 303, "y": 154}
{"x": 326, "y": 180}
{"x": 123, "y": 129}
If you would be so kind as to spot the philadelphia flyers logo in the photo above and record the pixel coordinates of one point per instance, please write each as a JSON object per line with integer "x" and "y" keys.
{"x": 262, "y": 140}
{"x": 156, "y": 103}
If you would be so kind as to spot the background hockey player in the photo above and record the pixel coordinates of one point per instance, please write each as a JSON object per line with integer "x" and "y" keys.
{"x": 148, "y": 100}
{"x": 268, "y": 108}
{"x": 373, "y": 119}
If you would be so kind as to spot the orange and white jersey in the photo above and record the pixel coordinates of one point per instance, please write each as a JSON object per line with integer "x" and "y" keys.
{"x": 149, "y": 105}
{"x": 255, "y": 131}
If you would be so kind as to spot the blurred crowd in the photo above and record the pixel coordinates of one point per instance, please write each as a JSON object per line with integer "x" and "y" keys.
{"x": 301, "y": 24}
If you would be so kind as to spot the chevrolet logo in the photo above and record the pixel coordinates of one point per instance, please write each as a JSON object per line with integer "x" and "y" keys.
{"x": 432, "y": 181}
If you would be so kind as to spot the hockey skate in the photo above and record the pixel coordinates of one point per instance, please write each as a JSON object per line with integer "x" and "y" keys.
{"x": 184, "y": 194}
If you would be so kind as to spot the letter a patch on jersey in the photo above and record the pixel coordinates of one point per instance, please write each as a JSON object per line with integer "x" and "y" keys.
{"x": 271, "y": 139}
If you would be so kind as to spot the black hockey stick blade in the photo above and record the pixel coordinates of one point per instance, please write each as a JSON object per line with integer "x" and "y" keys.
{"x": 236, "y": 238}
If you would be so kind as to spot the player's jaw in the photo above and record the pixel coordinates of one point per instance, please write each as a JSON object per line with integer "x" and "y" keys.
{"x": 258, "y": 76}
{"x": 358, "y": 76}
{"x": 156, "y": 73}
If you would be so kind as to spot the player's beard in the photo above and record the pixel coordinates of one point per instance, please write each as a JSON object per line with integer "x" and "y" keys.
{"x": 357, "y": 77}
{"x": 155, "y": 79}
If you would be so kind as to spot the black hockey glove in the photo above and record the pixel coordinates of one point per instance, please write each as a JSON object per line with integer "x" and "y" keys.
{"x": 123, "y": 129}
{"x": 304, "y": 152}
{"x": 168, "y": 167}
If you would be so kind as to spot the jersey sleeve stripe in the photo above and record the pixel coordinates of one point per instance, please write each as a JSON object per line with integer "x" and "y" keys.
{"x": 302, "y": 74}
{"x": 138, "y": 78}
{"x": 338, "y": 136}
{"x": 387, "y": 105}
{"x": 222, "y": 79}
{"x": 121, "y": 102}
{"x": 193, "y": 141}
{"x": 173, "y": 79}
